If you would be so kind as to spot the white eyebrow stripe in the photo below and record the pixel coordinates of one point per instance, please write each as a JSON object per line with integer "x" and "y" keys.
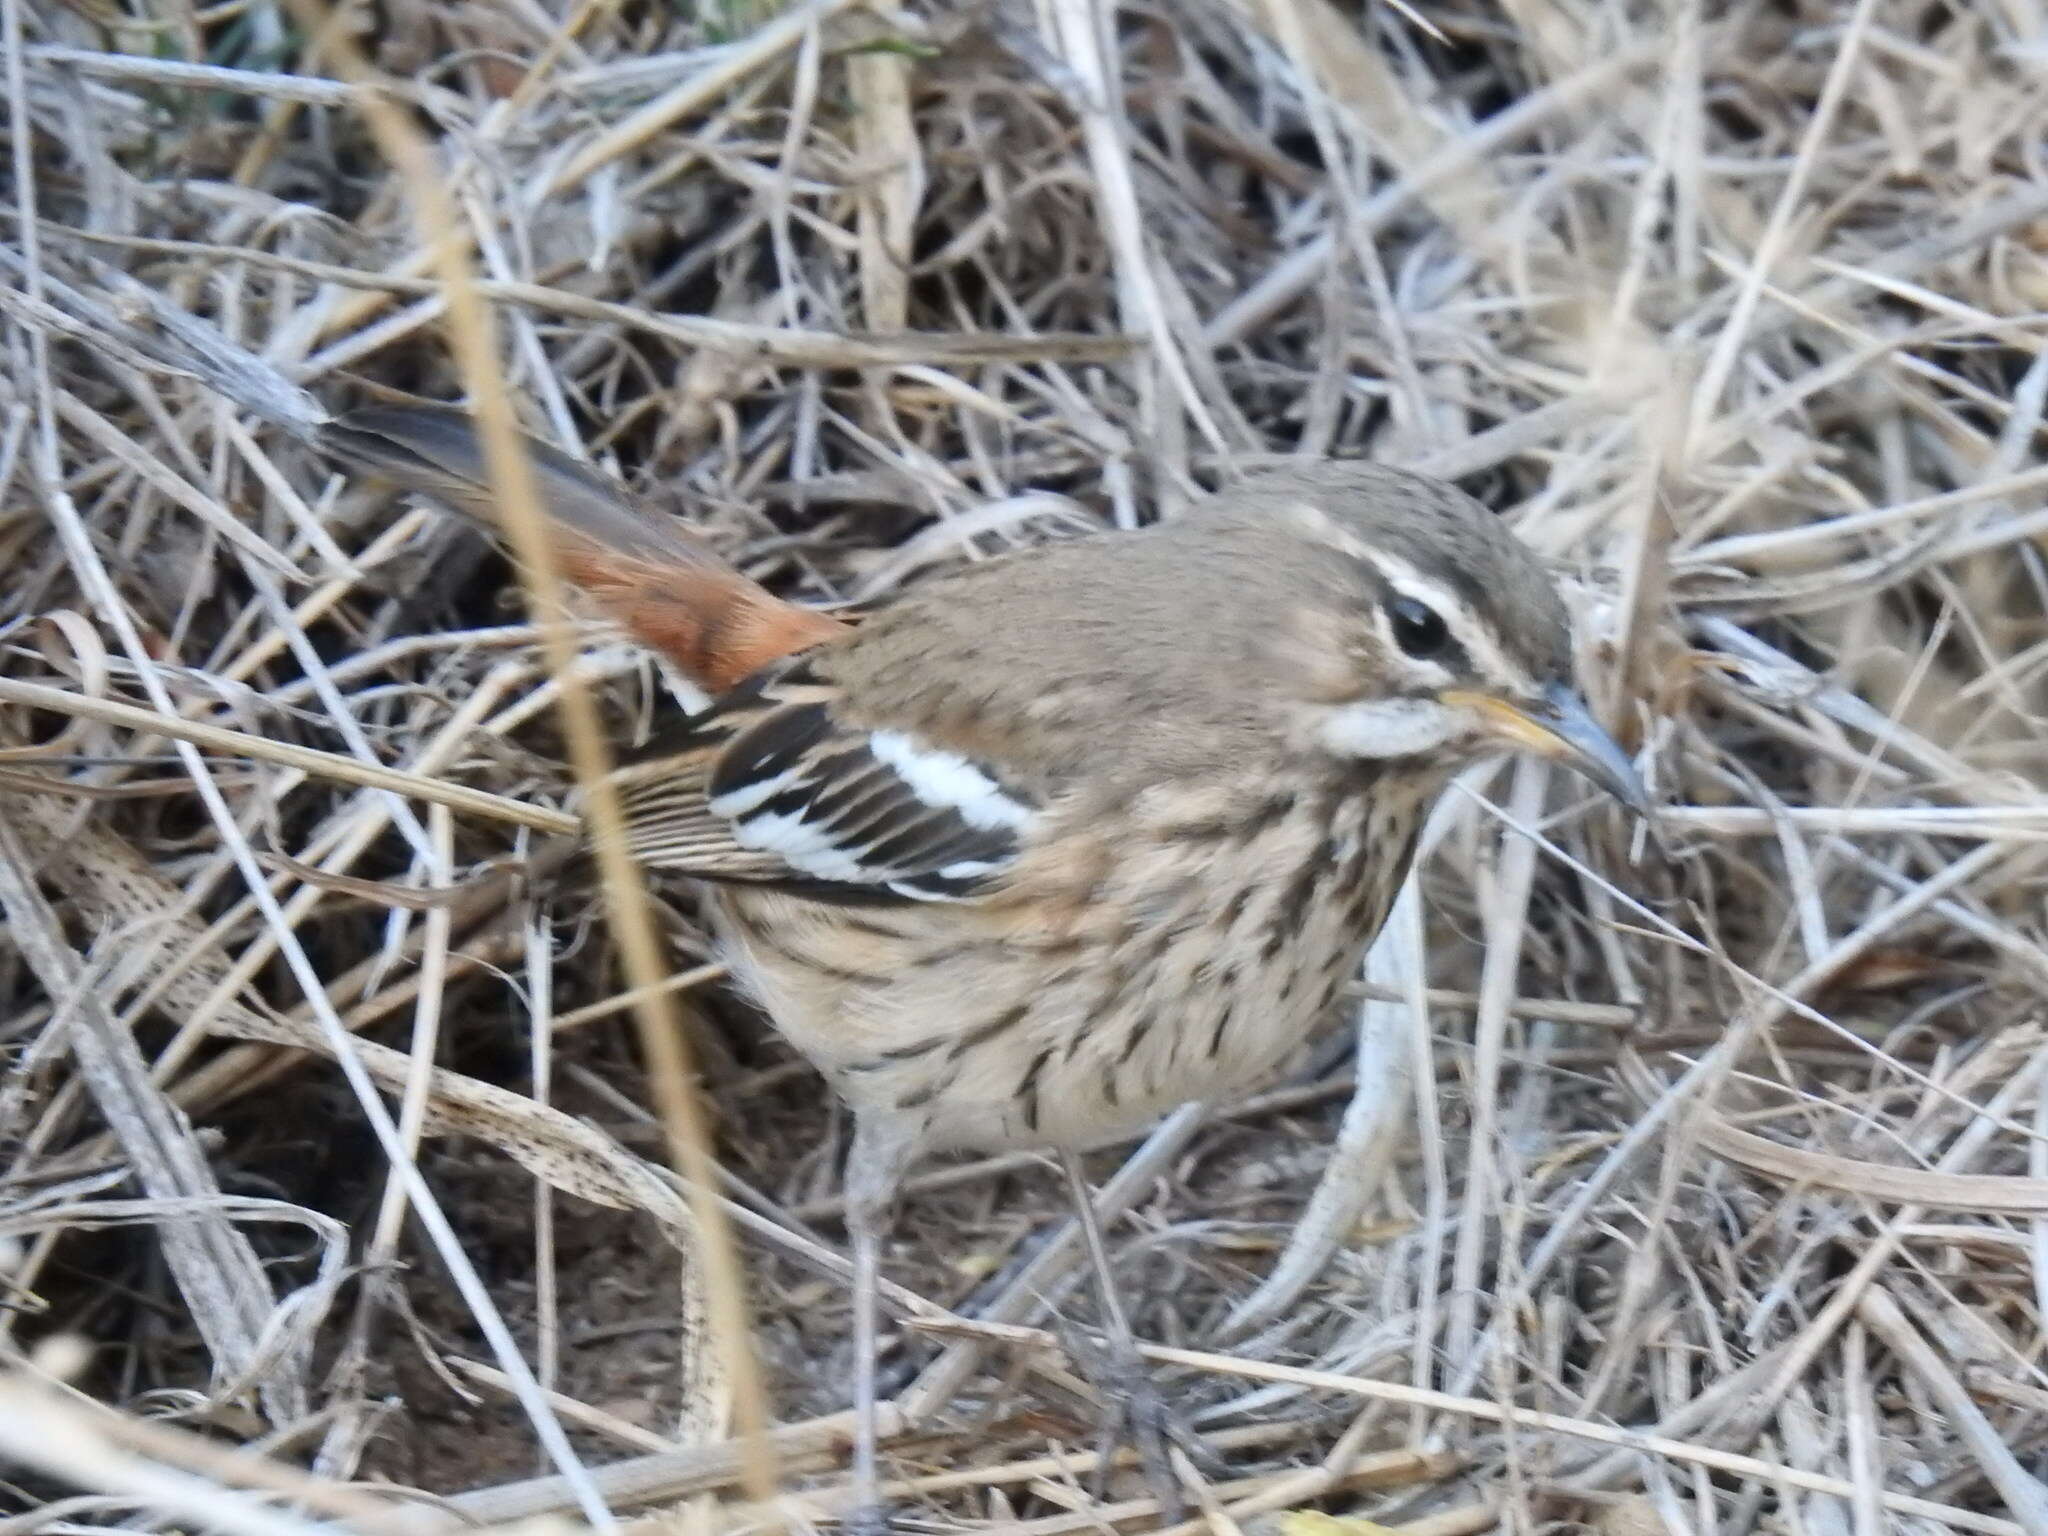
{"x": 1487, "y": 656}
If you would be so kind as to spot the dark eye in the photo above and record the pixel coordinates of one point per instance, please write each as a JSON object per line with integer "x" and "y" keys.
{"x": 1418, "y": 629}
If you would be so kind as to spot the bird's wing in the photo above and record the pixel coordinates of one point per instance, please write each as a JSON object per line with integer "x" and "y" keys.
{"x": 771, "y": 786}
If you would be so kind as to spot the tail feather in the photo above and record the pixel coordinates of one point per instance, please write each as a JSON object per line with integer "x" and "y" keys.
{"x": 673, "y": 592}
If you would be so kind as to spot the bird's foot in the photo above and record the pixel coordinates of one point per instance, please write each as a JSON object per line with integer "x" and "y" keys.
{"x": 1138, "y": 1417}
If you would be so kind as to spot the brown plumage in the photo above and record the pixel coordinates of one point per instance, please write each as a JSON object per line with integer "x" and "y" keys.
{"x": 669, "y": 589}
{"x": 1063, "y": 839}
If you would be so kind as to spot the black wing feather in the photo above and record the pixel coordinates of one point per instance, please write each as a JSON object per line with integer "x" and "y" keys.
{"x": 769, "y": 786}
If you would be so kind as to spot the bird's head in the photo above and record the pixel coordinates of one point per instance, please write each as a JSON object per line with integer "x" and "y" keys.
{"x": 1424, "y": 630}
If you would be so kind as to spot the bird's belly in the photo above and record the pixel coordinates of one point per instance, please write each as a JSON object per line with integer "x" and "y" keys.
{"x": 1188, "y": 982}
{"x": 1075, "y": 1079}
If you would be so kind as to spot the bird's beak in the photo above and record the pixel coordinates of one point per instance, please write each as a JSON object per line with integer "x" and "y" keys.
{"x": 1561, "y": 727}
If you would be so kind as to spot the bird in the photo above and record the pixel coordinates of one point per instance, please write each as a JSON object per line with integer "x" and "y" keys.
{"x": 1057, "y": 841}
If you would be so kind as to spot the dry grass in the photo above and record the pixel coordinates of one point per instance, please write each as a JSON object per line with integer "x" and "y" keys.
{"x": 1720, "y": 1201}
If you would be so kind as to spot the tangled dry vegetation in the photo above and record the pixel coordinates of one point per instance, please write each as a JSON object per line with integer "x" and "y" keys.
{"x": 1718, "y": 1200}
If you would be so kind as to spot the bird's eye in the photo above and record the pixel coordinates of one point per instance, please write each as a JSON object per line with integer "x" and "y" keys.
{"x": 1418, "y": 628}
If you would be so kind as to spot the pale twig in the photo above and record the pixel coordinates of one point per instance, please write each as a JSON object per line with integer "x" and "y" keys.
{"x": 216, "y": 1268}
{"x": 62, "y": 1441}
{"x": 328, "y": 765}
{"x": 2023, "y": 1493}
{"x": 1060, "y": 1252}
{"x": 204, "y": 77}
{"x": 1713, "y": 379}
{"x": 87, "y": 566}
{"x": 1635, "y": 1441}
{"x": 1506, "y": 920}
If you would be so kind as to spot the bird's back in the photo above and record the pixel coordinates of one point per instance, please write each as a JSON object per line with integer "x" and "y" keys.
{"x": 1132, "y": 655}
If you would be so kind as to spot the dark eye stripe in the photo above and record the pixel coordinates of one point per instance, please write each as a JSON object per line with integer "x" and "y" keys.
{"x": 1452, "y": 657}
{"x": 1368, "y": 575}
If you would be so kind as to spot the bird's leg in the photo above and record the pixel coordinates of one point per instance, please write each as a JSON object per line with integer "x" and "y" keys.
{"x": 1140, "y": 1406}
{"x": 874, "y": 1167}
{"x": 869, "y": 1517}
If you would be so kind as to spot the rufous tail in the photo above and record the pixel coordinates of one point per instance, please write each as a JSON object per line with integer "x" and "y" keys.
{"x": 670, "y": 590}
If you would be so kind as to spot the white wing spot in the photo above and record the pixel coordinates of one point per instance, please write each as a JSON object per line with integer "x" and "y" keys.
{"x": 735, "y": 803}
{"x": 948, "y": 779}
{"x": 905, "y": 889}
{"x": 969, "y": 869}
{"x": 800, "y": 845}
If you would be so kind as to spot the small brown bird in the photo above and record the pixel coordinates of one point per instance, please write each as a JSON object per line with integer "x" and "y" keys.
{"x": 1064, "y": 839}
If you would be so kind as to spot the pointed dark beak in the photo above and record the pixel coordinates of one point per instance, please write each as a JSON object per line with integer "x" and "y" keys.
{"x": 1561, "y": 727}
